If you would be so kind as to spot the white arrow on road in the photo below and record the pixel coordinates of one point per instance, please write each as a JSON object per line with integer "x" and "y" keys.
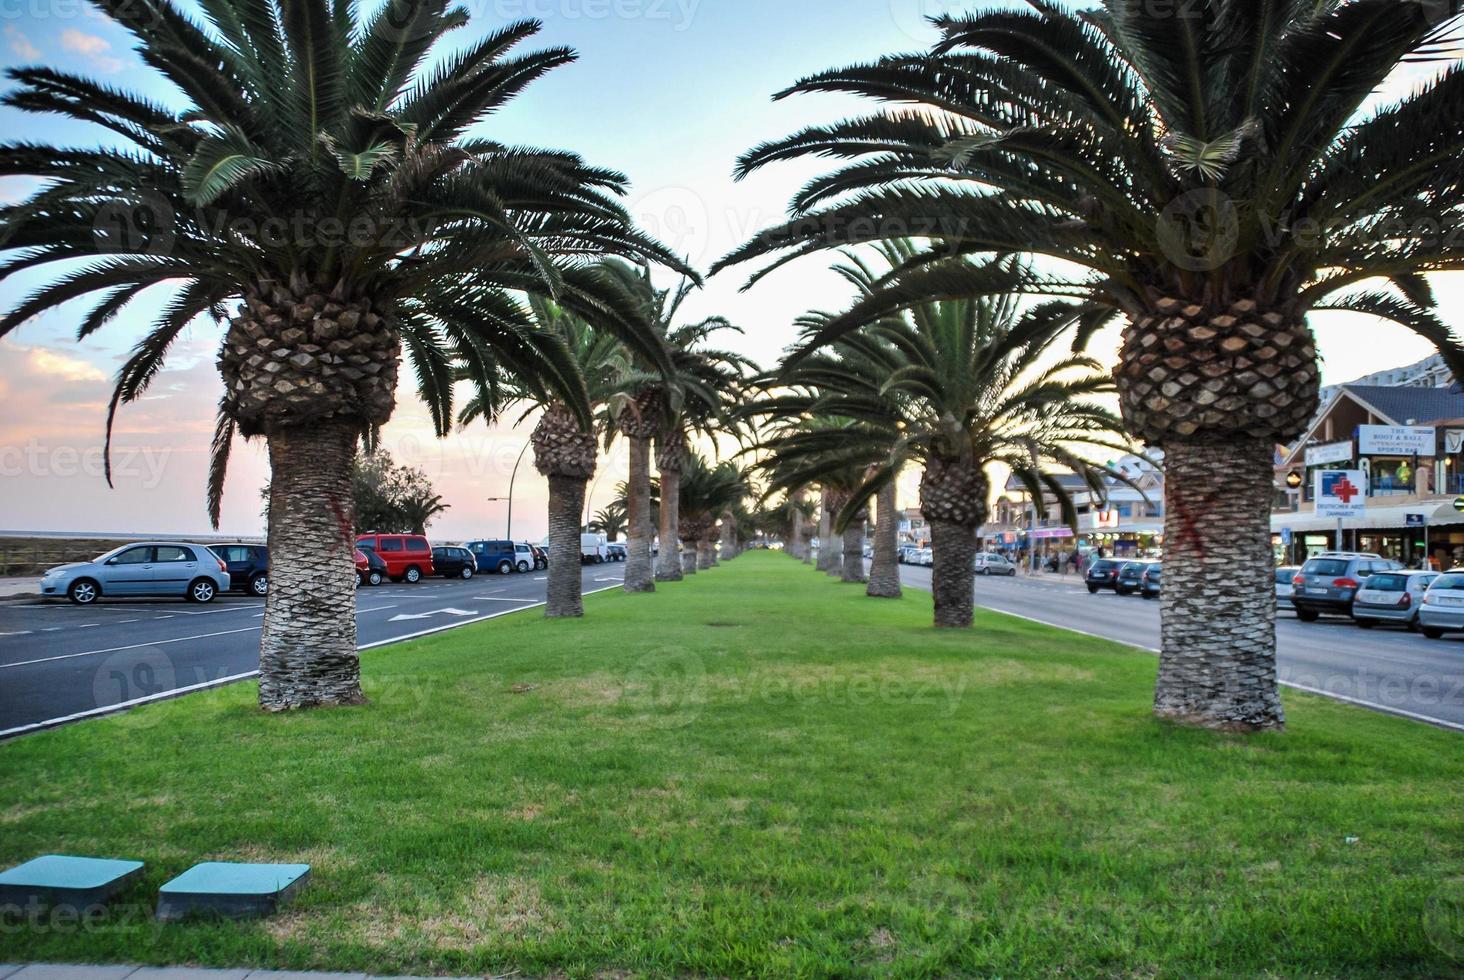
{"x": 436, "y": 612}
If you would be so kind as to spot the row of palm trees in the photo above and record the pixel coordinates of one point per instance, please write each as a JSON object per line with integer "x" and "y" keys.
{"x": 1205, "y": 172}
{"x": 1208, "y": 173}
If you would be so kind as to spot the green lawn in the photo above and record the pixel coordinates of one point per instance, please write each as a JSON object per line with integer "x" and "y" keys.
{"x": 762, "y": 772}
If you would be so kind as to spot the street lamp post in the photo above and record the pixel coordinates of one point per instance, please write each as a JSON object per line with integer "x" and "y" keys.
{"x": 508, "y": 531}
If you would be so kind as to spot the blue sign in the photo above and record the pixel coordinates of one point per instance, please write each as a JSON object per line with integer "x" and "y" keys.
{"x": 1414, "y": 520}
{"x": 1286, "y": 537}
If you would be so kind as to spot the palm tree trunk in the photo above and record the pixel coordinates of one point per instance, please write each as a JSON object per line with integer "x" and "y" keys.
{"x": 825, "y": 532}
{"x": 835, "y": 543}
{"x": 853, "y": 545}
{"x": 795, "y": 536}
{"x": 566, "y": 502}
{"x": 884, "y": 570}
{"x": 1217, "y": 667}
{"x": 706, "y": 553}
{"x": 639, "y": 571}
{"x": 307, "y": 647}
{"x": 668, "y": 561}
{"x": 688, "y": 557}
{"x": 731, "y": 546}
{"x": 953, "y": 579}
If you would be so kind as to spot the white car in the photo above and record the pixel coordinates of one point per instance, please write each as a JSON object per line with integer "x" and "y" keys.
{"x": 924, "y": 556}
{"x": 1443, "y": 606}
{"x": 1285, "y": 587}
{"x": 989, "y": 563}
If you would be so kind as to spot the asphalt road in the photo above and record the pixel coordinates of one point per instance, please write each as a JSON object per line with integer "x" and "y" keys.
{"x": 60, "y": 662}
{"x": 1386, "y": 668}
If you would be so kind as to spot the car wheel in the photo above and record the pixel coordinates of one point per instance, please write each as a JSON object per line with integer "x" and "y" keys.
{"x": 505, "y": 567}
{"x": 1092, "y": 590}
{"x": 202, "y": 590}
{"x": 539, "y": 566}
{"x": 986, "y": 572}
{"x": 466, "y": 572}
{"x": 414, "y": 575}
{"x": 523, "y": 566}
{"x": 1308, "y": 615}
{"x": 1366, "y": 624}
{"x": 1433, "y": 634}
{"x": 84, "y": 592}
{"x": 259, "y": 584}
{"x": 375, "y": 578}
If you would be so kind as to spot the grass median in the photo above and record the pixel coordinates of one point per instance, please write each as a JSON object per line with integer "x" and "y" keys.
{"x": 760, "y": 771}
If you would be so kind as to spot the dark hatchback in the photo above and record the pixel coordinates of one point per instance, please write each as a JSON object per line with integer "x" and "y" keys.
{"x": 450, "y": 562}
{"x": 1102, "y": 574}
{"x": 248, "y": 566}
{"x": 1130, "y": 577}
{"x": 1153, "y": 581}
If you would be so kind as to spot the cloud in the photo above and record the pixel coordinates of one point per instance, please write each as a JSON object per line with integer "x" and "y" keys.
{"x": 20, "y": 45}
{"x": 91, "y": 46}
{"x": 40, "y": 360}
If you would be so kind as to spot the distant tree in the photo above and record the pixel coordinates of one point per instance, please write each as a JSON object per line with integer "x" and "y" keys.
{"x": 610, "y": 520}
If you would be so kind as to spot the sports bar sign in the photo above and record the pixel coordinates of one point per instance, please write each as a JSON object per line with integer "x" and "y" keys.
{"x": 1396, "y": 440}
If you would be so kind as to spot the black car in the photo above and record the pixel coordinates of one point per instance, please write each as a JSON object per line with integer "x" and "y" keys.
{"x": 376, "y": 570}
{"x": 1102, "y": 574}
{"x": 248, "y": 566}
{"x": 541, "y": 558}
{"x": 1130, "y": 577}
{"x": 615, "y": 552}
{"x": 450, "y": 562}
{"x": 1153, "y": 581}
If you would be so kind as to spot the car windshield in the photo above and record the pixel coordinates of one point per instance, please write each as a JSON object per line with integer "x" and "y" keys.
{"x": 1448, "y": 582}
{"x": 1325, "y": 566}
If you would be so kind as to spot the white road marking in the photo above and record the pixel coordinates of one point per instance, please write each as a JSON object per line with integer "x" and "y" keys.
{"x": 542, "y": 578}
{"x": 489, "y": 598}
{"x": 460, "y": 613}
{"x": 17, "y": 633}
{"x": 131, "y": 646}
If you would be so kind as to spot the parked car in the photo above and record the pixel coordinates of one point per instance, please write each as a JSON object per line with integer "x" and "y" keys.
{"x": 453, "y": 562}
{"x": 989, "y": 563}
{"x": 1130, "y": 577}
{"x": 1443, "y": 606}
{"x": 147, "y": 568}
{"x": 592, "y": 549}
{"x": 908, "y": 554}
{"x": 541, "y": 557}
{"x": 1152, "y": 581}
{"x": 408, "y": 557}
{"x": 1102, "y": 574}
{"x": 370, "y": 569}
{"x": 924, "y": 556}
{"x": 247, "y": 564}
{"x": 494, "y": 556}
{"x": 1391, "y": 597}
{"x": 616, "y": 552}
{"x": 1328, "y": 582}
{"x": 1286, "y": 585}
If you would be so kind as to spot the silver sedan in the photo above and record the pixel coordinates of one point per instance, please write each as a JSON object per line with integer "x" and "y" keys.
{"x": 147, "y": 568}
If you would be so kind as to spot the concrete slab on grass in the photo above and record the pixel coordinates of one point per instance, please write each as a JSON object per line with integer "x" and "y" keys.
{"x": 235, "y": 891}
{"x": 72, "y": 971}
{"x": 62, "y": 879}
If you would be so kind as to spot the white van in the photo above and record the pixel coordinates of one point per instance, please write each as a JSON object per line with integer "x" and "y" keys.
{"x": 593, "y": 550}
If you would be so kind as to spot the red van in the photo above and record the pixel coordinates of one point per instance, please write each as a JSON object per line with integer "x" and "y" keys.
{"x": 408, "y": 557}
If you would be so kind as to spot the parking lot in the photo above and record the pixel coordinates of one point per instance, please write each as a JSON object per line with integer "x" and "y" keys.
{"x": 60, "y": 662}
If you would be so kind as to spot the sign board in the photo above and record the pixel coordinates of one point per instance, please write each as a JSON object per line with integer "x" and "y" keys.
{"x": 1397, "y": 440}
{"x": 1286, "y": 537}
{"x": 1454, "y": 441}
{"x": 1415, "y": 520}
{"x": 1332, "y": 452}
{"x": 1341, "y": 493}
{"x": 1105, "y": 519}
{"x": 1046, "y": 533}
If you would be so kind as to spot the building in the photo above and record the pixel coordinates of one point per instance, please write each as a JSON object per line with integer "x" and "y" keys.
{"x": 1117, "y": 517}
{"x": 1408, "y": 442}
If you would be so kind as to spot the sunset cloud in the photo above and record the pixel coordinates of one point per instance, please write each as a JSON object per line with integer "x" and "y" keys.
{"x": 93, "y": 47}
{"x": 20, "y": 45}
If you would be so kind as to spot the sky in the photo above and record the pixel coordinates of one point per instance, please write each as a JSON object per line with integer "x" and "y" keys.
{"x": 668, "y": 91}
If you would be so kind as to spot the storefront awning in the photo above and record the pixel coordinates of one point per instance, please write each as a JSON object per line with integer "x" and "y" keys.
{"x": 1389, "y": 516}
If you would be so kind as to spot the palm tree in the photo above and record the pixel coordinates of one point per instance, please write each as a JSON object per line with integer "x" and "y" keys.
{"x": 419, "y": 508}
{"x": 695, "y": 394}
{"x": 564, "y": 441}
{"x": 319, "y": 183}
{"x": 965, "y": 388}
{"x": 707, "y": 492}
{"x": 1215, "y": 173}
{"x": 610, "y": 520}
